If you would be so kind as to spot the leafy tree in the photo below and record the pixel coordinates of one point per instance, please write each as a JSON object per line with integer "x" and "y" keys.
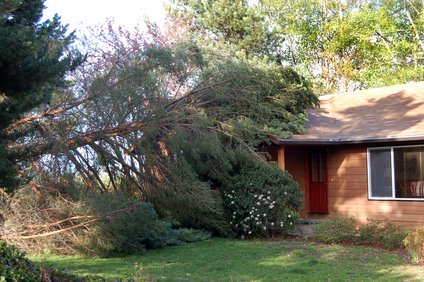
{"x": 34, "y": 59}
{"x": 348, "y": 45}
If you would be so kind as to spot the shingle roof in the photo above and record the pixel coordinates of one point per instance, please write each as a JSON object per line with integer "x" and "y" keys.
{"x": 394, "y": 112}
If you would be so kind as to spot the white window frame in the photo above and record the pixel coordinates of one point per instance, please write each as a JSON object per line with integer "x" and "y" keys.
{"x": 392, "y": 167}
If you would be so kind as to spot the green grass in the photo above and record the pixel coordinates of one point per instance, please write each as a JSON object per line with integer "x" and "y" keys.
{"x": 220, "y": 259}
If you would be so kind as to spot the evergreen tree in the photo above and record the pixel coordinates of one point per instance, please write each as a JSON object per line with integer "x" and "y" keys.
{"x": 34, "y": 59}
{"x": 234, "y": 24}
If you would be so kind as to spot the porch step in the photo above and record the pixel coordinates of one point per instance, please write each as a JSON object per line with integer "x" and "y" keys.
{"x": 311, "y": 220}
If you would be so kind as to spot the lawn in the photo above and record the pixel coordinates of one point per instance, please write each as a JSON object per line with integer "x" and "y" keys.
{"x": 220, "y": 259}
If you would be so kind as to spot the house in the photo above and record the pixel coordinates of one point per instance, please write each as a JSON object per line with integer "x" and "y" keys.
{"x": 362, "y": 155}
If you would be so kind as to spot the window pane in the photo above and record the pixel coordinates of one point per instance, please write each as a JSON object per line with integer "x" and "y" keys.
{"x": 314, "y": 167}
{"x": 409, "y": 172}
{"x": 322, "y": 167}
{"x": 381, "y": 175}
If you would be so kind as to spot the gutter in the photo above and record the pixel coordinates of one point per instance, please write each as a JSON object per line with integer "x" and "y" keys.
{"x": 347, "y": 141}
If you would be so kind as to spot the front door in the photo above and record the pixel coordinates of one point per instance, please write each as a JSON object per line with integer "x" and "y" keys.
{"x": 318, "y": 182}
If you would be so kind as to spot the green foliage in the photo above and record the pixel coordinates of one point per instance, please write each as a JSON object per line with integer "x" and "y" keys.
{"x": 382, "y": 233}
{"x": 15, "y": 266}
{"x": 186, "y": 119}
{"x": 414, "y": 243}
{"x": 126, "y": 225}
{"x": 349, "y": 45}
{"x": 34, "y": 59}
{"x": 262, "y": 200}
{"x": 193, "y": 235}
{"x": 334, "y": 229}
{"x": 232, "y": 25}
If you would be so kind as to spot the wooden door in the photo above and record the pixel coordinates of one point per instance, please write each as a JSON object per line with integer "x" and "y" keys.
{"x": 318, "y": 200}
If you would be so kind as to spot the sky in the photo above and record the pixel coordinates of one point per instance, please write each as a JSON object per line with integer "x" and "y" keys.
{"x": 79, "y": 13}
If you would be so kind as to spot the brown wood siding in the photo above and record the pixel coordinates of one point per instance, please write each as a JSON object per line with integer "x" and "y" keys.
{"x": 348, "y": 186}
{"x": 295, "y": 165}
{"x": 348, "y": 190}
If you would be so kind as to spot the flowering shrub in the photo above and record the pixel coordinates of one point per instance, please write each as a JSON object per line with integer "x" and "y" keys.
{"x": 262, "y": 201}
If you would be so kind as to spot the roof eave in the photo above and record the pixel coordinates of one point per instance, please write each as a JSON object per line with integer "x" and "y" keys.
{"x": 347, "y": 141}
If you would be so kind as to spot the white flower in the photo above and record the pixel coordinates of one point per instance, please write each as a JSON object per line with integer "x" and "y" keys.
{"x": 232, "y": 191}
{"x": 264, "y": 214}
{"x": 291, "y": 223}
{"x": 273, "y": 202}
{"x": 281, "y": 223}
{"x": 250, "y": 183}
{"x": 257, "y": 223}
{"x": 236, "y": 225}
{"x": 266, "y": 202}
{"x": 260, "y": 197}
{"x": 255, "y": 195}
{"x": 269, "y": 198}
{"x": 264, "y": 227}
{"x": 231, "y": 223}
{"x": 285, "y": 193}
{"x": 289, "y": 215}
{"x": 271, "y": 206}
{"x": 250, "y": 212}
{"x": 258, "y": 203}
{"x": 272, "y": 223}
{"x": 234, "y": 212}
{"x": 246, "y": 219}
{"x": 256, "y": 218}
{"x": 232, "y": 202}
{"x": 269, "y": 192}
{"x": 234, "y": 216}
{"x": 249, "y": 232}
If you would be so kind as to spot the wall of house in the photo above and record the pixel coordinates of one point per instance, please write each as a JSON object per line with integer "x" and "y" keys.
{"x": 348, "y": 188}
{"x": 295, "y": 164}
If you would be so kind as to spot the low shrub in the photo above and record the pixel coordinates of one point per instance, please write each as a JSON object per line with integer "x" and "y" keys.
{"x": 382, "y": 233}
{"x": 126, "y": 225}
{"x": 99, "y": 225}
{"x": 262, "y": 200}
{"x": 193, "y": 235}
{"x": 335, "y": 229}
{"x": 414, "y": 243}
{"x": 342, "y": 229}
{"x": 15, "y": 266}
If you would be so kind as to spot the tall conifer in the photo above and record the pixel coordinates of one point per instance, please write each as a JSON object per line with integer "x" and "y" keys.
{"x": 34, "y": 59}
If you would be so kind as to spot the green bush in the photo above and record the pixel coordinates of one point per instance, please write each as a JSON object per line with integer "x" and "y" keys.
{"x": 382, "y": 233}
{"x": 15, "y": 266}
{"x": 262, "y": 200}
{"x": 335, "y": 229}
{"x": 414, "y": 243}
{"x": 193, "y": 235}
{"x": 127, "y": 225}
